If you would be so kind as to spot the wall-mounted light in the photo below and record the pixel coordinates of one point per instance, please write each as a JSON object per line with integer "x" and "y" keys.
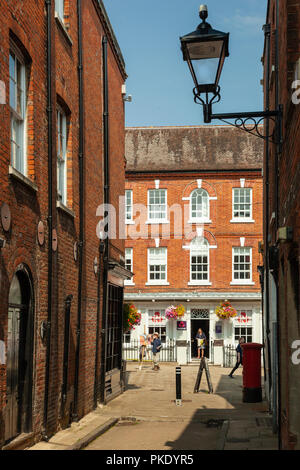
{"x": 125, "y": 96}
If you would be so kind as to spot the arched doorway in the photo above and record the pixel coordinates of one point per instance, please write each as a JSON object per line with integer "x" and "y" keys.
{"x": 19, "y": 356}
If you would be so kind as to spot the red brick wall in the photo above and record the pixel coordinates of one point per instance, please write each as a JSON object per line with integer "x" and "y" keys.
{"x": 29, "y": 207}
{"x": 287, "y": 183}
{"x": 219, "y": 232}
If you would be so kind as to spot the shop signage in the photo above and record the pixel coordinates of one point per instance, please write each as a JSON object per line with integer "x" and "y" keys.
{"x": 181, "y": 325}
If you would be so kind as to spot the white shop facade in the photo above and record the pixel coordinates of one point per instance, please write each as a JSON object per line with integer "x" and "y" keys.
{"x": 178, "y": 336}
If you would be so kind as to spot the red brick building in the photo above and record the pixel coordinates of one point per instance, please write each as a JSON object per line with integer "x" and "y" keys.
{"x": 194, "y": 221}
{"x": 61, "y": 156}
{"x": 282, "y": 220}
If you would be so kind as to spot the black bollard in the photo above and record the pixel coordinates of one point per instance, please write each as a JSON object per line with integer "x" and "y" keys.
{"x": 178, "y": 386}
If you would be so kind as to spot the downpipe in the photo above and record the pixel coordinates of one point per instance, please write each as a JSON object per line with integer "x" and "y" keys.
{"x": 50, "y": 212}
{"x": 81, "y": 211}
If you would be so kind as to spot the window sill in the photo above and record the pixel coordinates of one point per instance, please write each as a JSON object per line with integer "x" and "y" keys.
{"x": 129, "y": 283}
{"x": 199, "y": 283}
{"x": 157, "y": 283}
{"x": 159, "y": 221}
{"x": 199, "y": 221}
{"x": 22, "y": 178}
{"x": 63, "y": 28}
{"x": 65, "y": 209}
{"x": 129, "y": 222}
{"x": 248, "y": 283}
{"x": 242, "y": 221}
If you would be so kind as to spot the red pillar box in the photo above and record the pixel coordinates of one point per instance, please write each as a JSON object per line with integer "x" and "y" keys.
{"x": 252, "y": 392}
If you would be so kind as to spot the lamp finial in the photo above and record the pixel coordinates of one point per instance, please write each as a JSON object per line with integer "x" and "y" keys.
{"x": 203, "y": 12}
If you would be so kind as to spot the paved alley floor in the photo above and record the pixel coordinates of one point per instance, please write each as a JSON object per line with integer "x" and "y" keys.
{"x": 151, "y": 419}
{"x": 146, "y": 416}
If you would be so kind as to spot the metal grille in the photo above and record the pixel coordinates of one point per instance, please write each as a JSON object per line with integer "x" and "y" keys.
{"x": 199, "y": 313}
{"x": 114, "y": 328}
{"x": 131, "y": 352}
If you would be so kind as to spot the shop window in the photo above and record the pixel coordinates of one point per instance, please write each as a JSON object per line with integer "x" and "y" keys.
{"x": 244, "y": 332}
{"x": 127, "y": 337}
{"x": 157, "y": 323}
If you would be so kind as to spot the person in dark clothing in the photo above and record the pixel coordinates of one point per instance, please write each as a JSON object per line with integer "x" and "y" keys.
{"x": 201, "y": 342}
{"x": 156, "y": 347}
{"x": 239, "y": 359}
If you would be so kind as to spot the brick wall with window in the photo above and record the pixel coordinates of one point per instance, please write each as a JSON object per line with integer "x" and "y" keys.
{"x": 207, "y": 222}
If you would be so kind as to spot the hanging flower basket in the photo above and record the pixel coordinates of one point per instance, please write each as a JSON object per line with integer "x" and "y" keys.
{"x": 172, "y": 313}
{"x": 131, "y": 317}
{"x": 225, "y": 311}
{"x": 180, "y": 311}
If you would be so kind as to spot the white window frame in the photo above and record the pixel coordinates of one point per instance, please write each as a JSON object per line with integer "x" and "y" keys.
{"x": 239, "y": 282}
{"x": 195, "y": 250}
{"x": 60, "y": 9}
{"x": 129, "y": 206}
{"x": 18, "y": 160}
{"x": 129, "y": 256}
{"x": 242, "y": 219}
{"x": 162, "y": 220}
{"x": 62, "y": 156}
{"x": 203, "y": 219}
{"x": 155, "y": 262}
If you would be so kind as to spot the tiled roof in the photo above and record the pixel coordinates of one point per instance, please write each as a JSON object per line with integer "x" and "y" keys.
{"x": 192, "y": 148}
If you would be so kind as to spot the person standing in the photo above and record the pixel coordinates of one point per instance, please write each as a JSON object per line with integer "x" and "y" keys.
{"x": 142, "y": 352}
{"x": 239, "y": 358}
{"x": 156, "y": 347}
{"x": 201, "y": 342}
{"x": 148, "y": 346}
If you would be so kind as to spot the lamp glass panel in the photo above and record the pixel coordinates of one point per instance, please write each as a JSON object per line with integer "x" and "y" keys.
{"x": 205, "y": 50}
{"x": 206, "y": 70}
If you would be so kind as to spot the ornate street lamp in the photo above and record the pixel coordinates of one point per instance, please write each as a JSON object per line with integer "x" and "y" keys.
{"x": 205, "y": 50}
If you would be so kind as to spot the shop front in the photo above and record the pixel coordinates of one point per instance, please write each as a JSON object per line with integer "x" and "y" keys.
{"x": 180, "y": 333}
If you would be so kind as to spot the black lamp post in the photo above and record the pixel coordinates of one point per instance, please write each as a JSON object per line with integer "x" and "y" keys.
{"x": 205, "y": 50}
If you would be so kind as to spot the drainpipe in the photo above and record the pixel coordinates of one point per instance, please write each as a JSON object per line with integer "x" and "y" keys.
{"x": 267, "y": 31}
{"x": 81, "y": 210}
{"x": 68, "y": 303}
{"x": 278, "y": 152}
{"x": 96, "y": 381}
{"x": 106, "y": 201}
{"x": 50, "y": 210}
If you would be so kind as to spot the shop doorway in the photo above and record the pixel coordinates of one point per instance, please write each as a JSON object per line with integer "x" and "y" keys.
{"x": 195, "y": 325}
{"x": 18, "y": 414}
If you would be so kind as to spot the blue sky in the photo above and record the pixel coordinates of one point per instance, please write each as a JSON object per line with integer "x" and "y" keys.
{"x": 159, "y": 81}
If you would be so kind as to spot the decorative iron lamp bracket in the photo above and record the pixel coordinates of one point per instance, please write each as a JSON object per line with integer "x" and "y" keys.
{"x": 250, "y": 122}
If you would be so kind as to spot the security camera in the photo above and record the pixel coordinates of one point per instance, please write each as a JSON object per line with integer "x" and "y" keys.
{"x": 2, "y": 243}
{"x": 128, "y": 98}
